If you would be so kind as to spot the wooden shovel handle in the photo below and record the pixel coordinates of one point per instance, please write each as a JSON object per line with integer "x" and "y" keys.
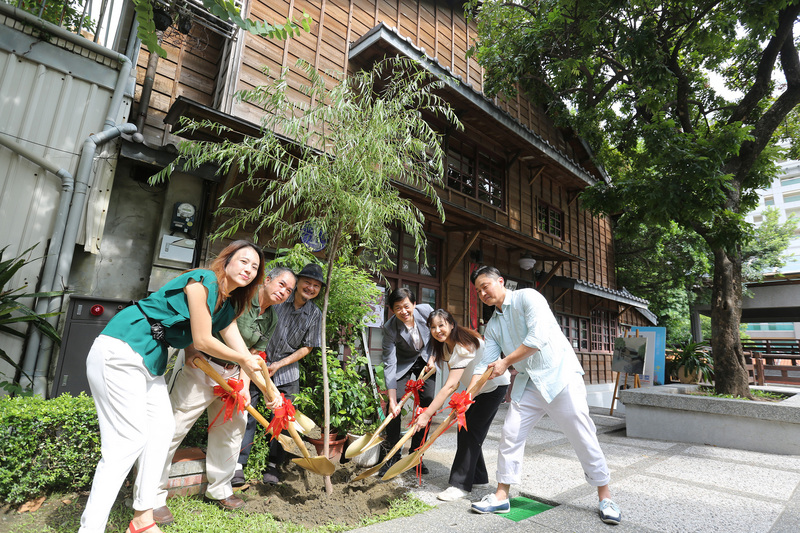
{"x": 402, "y": 401}
{"x": 203, "y": 365}
{"x": 446, "y": 422}
{"x": 271, "y": 391}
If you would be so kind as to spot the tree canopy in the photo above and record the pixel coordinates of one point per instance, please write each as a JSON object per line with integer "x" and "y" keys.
{"x": 682, "y": 102}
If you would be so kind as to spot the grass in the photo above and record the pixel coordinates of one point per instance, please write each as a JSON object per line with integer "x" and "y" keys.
{"x": 757, "y": 393}
{"x": 191, "y": 516}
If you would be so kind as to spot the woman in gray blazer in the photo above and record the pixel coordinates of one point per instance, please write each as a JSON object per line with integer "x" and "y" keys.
{"x": 406, "y": 350}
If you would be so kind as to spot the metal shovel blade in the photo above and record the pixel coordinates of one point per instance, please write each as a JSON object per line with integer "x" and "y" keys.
{"x": 369, "y": 440}
{"x": 319, "y": 465}
{"x": 362, "y": 444}
{"x": 406, "y": 463}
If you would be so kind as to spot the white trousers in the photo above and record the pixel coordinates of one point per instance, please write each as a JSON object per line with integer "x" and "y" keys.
{"x": 570, "y": 411}
{"x": 191, "y": 393}
{"x": 136, "y": 426}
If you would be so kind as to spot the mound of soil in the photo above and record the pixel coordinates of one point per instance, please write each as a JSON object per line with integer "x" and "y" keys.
{"x": 301, "y": 498}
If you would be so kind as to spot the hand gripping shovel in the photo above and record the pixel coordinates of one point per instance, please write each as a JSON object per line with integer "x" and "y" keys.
{"x": 319, "y": 465}
{"x": 284, "y": 441}
{"x": 304, "y": 424}
{"x": 412, "y": 460}
{"x": 365, "y": 442}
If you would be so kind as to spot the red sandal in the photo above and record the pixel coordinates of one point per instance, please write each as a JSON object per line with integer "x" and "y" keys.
{"x": 134, "y": 530}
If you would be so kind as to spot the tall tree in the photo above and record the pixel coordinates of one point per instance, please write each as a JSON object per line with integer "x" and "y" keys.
{"x": 334, "y": 181}
{"x": 639, "y": 81}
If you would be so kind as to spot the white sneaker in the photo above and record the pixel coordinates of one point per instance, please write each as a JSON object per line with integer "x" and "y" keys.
{"x": 451, "y": 494}
{"x": 609, "y": 512}
{"x": 490, "y": 504}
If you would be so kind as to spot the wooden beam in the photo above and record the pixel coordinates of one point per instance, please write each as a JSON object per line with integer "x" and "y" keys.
{"x": 535, "y": 173}
{"x": 560, "y": 296}
{"x": 550, "y": 275}
{"x": 513, "y": 159}
{"x": 625, "y": 309}
{"x": 461, "y": 253}
{"x": 448, "y": 229}
{"x": 572, "y": 197}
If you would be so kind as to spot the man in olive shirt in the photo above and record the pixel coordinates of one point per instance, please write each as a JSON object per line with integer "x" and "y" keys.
{"x": 191, "y": 392}
{"x": 297, "y": 334}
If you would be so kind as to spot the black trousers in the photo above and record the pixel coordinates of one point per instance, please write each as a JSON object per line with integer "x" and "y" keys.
{"x": 469, "y": 467}
{"x": 276, "y": 453}
{"x": 425, "y": 399}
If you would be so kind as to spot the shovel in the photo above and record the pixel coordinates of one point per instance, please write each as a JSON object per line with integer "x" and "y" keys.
{"x": 304, "y": 424}
{"x": 284, "y": 441}
{"x": 319, "y": 465}
{"x": 389, "y": 455}
{"x": 412, "y": 460}
{"x": 365, "y": 442}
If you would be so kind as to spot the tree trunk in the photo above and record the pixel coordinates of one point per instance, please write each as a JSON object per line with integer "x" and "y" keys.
{"x": 730, "y": 374}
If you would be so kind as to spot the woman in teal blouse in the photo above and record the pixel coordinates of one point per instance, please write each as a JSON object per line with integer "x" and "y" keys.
{"x": 126, "y": 364}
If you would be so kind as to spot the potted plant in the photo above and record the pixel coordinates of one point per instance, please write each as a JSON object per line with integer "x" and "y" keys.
{"x": 692, "y": 363}
{"x": 351, "y": 404}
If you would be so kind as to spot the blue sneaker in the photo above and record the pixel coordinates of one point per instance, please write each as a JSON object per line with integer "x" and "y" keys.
{"x": 490, "y": 504}
{"x": 609, "y": 512}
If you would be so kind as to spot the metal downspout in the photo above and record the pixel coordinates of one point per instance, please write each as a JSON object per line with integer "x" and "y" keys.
{"x": 70, "y": 235}
{"x": 53, "y": 250}
{"x": 37, "y": 355}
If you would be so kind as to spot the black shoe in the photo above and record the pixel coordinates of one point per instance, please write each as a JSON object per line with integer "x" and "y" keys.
{"x": 238, "y": 478}
{"x": 272, "y": 476}
{"x": 423, "y": 469}
{"x": 385, "y": 468}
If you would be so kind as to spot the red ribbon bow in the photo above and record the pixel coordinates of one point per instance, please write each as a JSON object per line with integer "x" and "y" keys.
{"x": 281, "y": 417}
{"x": 232, "y": 400}
{"x": 263, "y": 355}
{"x": 415, "y": 386}
{"x": 460, "y": 402}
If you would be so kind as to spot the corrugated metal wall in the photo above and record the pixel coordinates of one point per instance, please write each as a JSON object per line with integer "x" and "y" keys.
{"x": 51, "y": 100}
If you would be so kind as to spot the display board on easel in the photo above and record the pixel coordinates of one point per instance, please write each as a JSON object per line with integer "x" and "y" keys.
{"x": 630, "y": 357}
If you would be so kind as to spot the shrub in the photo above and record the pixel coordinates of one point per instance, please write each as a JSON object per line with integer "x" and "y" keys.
{"x": 47, "y": 445}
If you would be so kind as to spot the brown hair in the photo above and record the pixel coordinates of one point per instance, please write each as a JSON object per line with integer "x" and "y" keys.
{"x": 240, "y": 296}
{"x": 468, "y": 338}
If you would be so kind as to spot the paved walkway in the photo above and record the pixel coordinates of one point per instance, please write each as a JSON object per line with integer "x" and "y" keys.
{"x": 660, "y": 487}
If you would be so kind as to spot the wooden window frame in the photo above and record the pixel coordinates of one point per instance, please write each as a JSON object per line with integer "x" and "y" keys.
{"x": 465, "y": 174}
{"x": 544, "y": 219}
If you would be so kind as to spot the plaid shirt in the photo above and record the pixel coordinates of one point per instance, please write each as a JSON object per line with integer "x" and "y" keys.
{"x": 297, "y": 328}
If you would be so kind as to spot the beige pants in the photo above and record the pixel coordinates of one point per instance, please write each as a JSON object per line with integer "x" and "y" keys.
{"x": 191, "y": 392}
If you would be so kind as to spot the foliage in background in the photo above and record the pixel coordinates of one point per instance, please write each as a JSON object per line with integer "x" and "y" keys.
{"x": 672, "y": 267}
{"x": 14, "y": 313}
{"x": 352, "y": 290}
{"x": 351, "y": 401}
{"x": 634, "y": 79}
{"x": 335, "y": 180}
{"x": 65, "y": 13}
{"x": 47, "y": 445}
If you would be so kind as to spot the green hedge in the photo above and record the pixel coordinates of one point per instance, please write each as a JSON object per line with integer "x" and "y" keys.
{"x": 46, "y": 445}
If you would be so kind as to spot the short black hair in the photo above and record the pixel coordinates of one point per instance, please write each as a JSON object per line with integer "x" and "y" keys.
{"x": 484, "y": 270}
{"x": 401, "y": 294}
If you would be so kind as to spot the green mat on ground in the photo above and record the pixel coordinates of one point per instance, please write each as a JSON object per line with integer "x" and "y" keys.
{"x": 522, "y": 508}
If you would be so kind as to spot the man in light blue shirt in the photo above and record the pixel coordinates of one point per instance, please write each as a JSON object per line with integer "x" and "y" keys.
{"x": 550, "y": 381}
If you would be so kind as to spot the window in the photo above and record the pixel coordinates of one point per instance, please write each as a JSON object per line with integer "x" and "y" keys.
{"x": 475, "y": 173}
{"x": 758, "y": 219}
{"x": 604, "y": 329}
{"x": 792, "y": 197}
{"x": 576, "y": 330}
{"x": 551, "y": 220}
{"x": 790, "y": 180}
{"x": 769, "y": 200}
{"x": 407, "y": 272}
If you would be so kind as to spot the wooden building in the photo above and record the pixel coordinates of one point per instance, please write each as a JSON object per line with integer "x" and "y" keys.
{"x": 513, "y": 178}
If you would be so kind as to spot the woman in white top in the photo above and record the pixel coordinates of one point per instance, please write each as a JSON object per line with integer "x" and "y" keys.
{"x": 460, "y": 349}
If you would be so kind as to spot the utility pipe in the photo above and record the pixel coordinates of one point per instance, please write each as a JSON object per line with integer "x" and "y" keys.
{"x": 38, "y": 352}
{"x": 70, "y": 235}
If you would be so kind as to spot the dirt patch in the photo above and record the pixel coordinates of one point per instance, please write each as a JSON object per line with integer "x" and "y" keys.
{"x": 301, "y": 497}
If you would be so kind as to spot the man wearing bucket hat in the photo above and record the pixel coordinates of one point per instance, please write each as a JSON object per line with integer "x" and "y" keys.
{"x": 296, "y": 335}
